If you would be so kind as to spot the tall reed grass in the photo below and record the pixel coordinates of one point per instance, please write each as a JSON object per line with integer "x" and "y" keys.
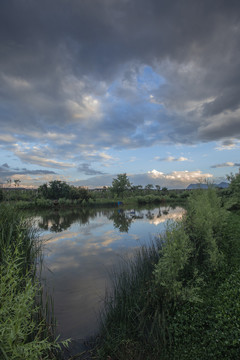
{"x": 26, "y": 329}
{"x": 174, "y": 299}
{"x": 132, "y": 322}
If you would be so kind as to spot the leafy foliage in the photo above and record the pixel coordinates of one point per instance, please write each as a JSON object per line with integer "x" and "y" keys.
{"x": 120, "y": 185}
{"x": 209, "y": 330}
{"x": 233, "y": 192}
{"x": 174, "y": 258}
{"x": 204, "y": 224}
{"x": 1, "y": 195}
{"x": 24, "y": 331}
{"x": 61, "y": 190}
{"x": 21, "y": 335}
{"x": 184, "y": 303}
{"x": 54, "y": 190}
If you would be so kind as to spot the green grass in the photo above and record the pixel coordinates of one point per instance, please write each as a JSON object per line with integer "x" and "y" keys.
{"x": 26, "y": 328}
{"x": 25, "y": 201}
{"x": 179, "y": 298}
{"x": 131, "y": 317}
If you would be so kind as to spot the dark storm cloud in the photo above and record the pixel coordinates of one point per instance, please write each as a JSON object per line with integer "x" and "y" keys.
{"x": 221, "y": 128}
{"x": 5, "y": 166}
{"x": 6, "y": 171}
{"x": 226, "y": 164}
{"x": 85, "y": 168}
{"x": 55, "y": 52}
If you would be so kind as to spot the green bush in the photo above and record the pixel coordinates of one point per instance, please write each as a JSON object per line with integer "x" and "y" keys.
{"x": 1, "y": 195}
{"x": 209, "y": 330}
{"x": 22, "y": 336}
{"x": 43, "y": 203}
{"x": 24, "y": 331}
{"x": 174, "y": 258}
{"x": 148, "y": 199}
{"x": 205, "y": 221}
{"x": 21, "y": 204}
{"x": 184, "y": 301}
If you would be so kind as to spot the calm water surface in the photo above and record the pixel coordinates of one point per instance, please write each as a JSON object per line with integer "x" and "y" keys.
{"x": 81, "y": 248}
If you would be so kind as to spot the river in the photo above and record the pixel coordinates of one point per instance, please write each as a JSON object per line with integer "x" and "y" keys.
{"x": 80, "y": 249}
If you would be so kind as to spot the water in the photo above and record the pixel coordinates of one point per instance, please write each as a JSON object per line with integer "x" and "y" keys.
{"x": 80, "y": 249}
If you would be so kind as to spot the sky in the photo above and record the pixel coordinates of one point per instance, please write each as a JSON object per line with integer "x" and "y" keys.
{"x": 94, "y": 88}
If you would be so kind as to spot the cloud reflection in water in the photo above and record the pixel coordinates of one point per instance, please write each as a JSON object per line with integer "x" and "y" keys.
{"x": 81, "y": 257}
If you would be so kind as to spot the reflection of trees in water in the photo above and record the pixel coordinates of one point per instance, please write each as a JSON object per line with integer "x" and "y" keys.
{"x": 120, "y": 220}
{"x": 149, "y": 215}
{"x": 159, "y": 213}
{"x": 60, "y": 220}
{"x": 57, "y": 221}
{"x": 165, "y": 211}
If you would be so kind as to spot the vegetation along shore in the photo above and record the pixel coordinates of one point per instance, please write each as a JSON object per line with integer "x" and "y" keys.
{"x": 176, "y": 299}
{"x": 58, "y": 193}
{"x": 179, "y": 298}
{"x": 26, "y": 326}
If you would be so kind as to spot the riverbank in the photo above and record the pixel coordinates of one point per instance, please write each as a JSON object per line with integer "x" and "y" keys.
{"x": 178, "y": 299}
{"x": 157, "y": 309}
{"x": 41, "y": 203}
{"x": 27, "y": 329}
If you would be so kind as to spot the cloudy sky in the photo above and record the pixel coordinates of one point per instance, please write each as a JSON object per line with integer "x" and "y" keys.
{"x": 94, "y": 88}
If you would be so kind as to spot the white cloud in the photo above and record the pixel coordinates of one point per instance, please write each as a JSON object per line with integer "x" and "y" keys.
{"x": 7, "y": 138}
{"x": 16, "y": 83}
{"x": 172, "y": 158}
{"x": 173, "y": 180}
{"x": 229, "y": 144}
{"x": 41, "y": 160}
{"x": 156, "y": 174}
{"x": 86, "y": 109}
{"x": 60, "y": 138}
{"x": 177, "y": 179}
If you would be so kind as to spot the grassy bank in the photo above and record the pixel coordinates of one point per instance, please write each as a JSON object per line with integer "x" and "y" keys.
{"x": 97, "y": 201}
{"x": 26, "y": 330}
{"x": 179, "y": 299}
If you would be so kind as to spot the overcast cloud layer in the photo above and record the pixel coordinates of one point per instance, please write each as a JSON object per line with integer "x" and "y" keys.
{"x": 82, "y": 81}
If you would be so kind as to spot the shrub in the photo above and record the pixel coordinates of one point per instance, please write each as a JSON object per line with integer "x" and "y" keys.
{"x": 42, "y": 203}
{"x": 174, "y": 259}
{"x": 21, "y": 335}
{"x": 24, "y": 332}
{"x": 209, "y": 330}
{"x": 1, "y": 195}
{"x": 182, "y": 302}
{"x": 205, "y": 221}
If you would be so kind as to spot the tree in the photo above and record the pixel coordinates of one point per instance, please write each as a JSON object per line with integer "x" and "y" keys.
{"x": 165, "y": 190}
{"x": 79, "y": 193}
{"x": 43, "y": 190}
{"x": 136, "y": 189}
{"x": 60, "y": 189}
{"x": 120, "y": 185}
{"x": 9, "y": 181}
{"x": 56, "y": 189}
{"x": 148, "y": 188}
{"x": 234, "y": 191}
{"x": 1, "y": 195}
{"x": 16, "y": 182}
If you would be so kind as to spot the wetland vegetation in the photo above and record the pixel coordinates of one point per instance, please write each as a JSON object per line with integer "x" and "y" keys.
{"x": 26, "y": 328}
{"x": 56, "y": 194}
{"x": 177, "y": 298}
